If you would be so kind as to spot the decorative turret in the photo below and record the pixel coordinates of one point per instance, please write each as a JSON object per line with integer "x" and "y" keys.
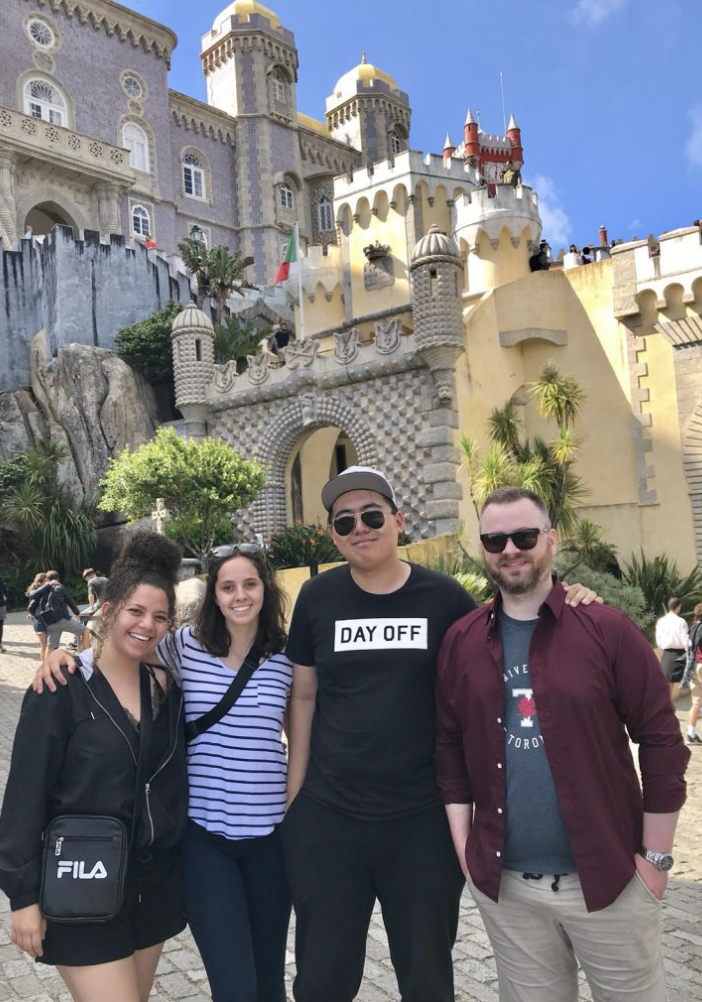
{"x": 436, "y": 271}
{"x": 448, "y": 149}
{"x": 514, "y": 134}
{"x": 472, "y": 140}
{"x": 192, "y": 336}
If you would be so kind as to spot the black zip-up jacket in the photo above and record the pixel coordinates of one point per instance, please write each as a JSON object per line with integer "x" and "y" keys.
{"x": 56, "y": 597}
{"x": 75, "y": 752}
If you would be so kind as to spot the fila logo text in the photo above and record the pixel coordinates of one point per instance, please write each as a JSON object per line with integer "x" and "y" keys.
{"x": 76, "y": 870}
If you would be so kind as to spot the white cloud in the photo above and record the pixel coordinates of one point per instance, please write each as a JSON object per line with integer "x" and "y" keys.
{"x": 557, "y": 226}
{"x": 591, "y": 13}
{"x": 693, "y": 146}
{"x": 635, "y": 224}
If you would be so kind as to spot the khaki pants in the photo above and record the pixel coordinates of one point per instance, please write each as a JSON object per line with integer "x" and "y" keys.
{"x": 537, "y": 933}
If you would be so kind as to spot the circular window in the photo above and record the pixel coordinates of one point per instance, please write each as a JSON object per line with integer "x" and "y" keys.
{"x": 132, "y": 86}
{"x": 41, "y": 33}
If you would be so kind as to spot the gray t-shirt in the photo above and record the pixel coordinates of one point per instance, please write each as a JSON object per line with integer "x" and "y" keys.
{"x": 535, "y": 837}
{"x": 96, "y": 587}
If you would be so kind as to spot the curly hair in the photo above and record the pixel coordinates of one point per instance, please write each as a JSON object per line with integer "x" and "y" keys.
{"x": 146, "y": 558}
{"x": 210, "y": 626}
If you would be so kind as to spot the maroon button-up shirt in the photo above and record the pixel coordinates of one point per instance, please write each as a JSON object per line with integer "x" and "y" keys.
{"x": 595, "y": 678}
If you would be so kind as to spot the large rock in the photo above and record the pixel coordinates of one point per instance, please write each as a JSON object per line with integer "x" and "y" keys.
{"x": 86, "y": 399}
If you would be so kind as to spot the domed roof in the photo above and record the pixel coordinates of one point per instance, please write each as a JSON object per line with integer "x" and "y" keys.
{"x": 364, "y": 73}
{"x": 190, "y": 319}
{"x": 243, "y": 9}
{"x": 435, "y": 244}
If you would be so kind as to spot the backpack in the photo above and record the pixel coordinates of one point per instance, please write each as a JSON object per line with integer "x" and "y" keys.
{"x": 52, "y": 608}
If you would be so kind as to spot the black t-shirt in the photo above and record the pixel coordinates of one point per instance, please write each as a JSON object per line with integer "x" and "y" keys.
{"x": 373, "y": 730}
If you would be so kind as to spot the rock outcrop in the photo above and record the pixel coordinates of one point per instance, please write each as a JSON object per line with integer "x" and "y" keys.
{"x": 86, "y": 399}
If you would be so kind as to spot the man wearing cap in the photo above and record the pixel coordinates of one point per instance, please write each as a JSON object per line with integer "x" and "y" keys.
{"x": 365, "y": 819}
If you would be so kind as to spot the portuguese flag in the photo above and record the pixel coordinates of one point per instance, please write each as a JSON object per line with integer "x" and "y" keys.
{"x": 290, "y": 257}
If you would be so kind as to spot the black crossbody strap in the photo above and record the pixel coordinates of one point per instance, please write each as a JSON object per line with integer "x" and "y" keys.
{"x": 196, "y": 727}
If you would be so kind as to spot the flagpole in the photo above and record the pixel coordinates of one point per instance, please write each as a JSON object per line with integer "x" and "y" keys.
{"x": 299, "y": 280}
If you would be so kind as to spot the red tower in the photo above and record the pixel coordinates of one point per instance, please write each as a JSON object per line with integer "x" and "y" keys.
{"x": 514, "y": 134}
{"x": 449, "y": 149}
{"x": 472, "y": 139}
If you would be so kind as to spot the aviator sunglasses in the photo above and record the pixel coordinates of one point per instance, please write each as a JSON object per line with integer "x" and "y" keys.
{"x": 523, "y": 539}
{"x": 373, "y": 518}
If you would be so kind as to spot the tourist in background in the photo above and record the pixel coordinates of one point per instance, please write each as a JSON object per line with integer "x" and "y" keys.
{"x": 34, "y": 597}
{"x": 672, "y": 639}
{"x": 692, "y": 677}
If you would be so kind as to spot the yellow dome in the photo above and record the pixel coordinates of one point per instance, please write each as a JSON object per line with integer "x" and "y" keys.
{"x": 312, "y": 123}
{"x": 366, "y": 73}
{"x": 243, "y": 9}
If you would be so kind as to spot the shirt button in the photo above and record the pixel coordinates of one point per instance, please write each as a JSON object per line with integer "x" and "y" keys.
{"x": 499, "y": 765}
{"x": 498, "y": 853}
{"x": 499, "y": 720}
{"x": 499, "y": 810}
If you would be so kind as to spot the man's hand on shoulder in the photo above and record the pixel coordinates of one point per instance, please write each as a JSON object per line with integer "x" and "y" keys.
{"x": 51, "y": 669}
{"x": 577, "y": 594}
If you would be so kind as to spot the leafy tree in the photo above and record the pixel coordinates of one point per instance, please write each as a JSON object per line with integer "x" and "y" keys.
{"x": 189, "y": 531}
{"x": 146, "y": 346}
{"x": 659, "y": 579}
{"x": 235, "y": 339}
{"x": 547, "y": 468}
{"x": 218, "y": 272}
{"x": 41, "y": 523}
{"x": 303, "y": 546}
{"x": 201, "y": 482}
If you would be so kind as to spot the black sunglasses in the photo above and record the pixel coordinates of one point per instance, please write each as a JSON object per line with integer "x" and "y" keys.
{"x": 234, "y": 549}
{"x": 373, "y": 518}
{"x": 523, "y": 539}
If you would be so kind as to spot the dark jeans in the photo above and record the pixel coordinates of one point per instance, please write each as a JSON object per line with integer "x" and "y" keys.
{"x": 337, "y": 866}
{"x": 237, "y": 905}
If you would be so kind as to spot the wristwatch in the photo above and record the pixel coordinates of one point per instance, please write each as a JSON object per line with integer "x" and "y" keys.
{"x": 662, "y": 861}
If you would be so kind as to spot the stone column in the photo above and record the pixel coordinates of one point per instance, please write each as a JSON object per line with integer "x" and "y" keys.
{"x": 108, "y": 196}
{"x": 8, "y": 209}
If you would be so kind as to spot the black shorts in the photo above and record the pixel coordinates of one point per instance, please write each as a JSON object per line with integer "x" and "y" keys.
{"x": 151, "y": 913}
{"x": 672, "y": 665}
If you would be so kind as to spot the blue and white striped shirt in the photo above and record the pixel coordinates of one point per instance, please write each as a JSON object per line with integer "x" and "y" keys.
{"x": 237, "y": 769}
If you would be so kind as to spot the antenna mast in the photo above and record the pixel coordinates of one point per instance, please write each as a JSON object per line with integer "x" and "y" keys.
{"x": 502, "y": 91}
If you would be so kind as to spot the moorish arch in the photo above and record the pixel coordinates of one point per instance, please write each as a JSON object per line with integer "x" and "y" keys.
{"x": 297, "y": 418}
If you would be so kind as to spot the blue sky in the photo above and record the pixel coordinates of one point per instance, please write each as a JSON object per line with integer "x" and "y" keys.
{"x": 608, "y": 93}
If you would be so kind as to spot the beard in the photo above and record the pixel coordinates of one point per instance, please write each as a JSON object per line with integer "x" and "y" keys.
{"x": 540, "y": 569}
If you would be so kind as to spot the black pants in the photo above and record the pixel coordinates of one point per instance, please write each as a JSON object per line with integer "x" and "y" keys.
{"x": 238, "y": 909}
{"x": 337, "y": 866}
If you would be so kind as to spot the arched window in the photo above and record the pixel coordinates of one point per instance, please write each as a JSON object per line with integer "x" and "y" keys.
{"x": 287, "y": 199}
{"x": 41, "y": 100}
{"x": 396, "y": 144}
{"x": 193, "y": 176}
{"x": 325, "y": 215}
{"x": 136, "y": 141}
{"x": 278, "y": 89}
{"x": 141, "y": 221}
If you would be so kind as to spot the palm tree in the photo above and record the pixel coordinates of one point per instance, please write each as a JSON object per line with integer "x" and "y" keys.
{"x": 195, "y": 258}
{"x": 218, "y": 273}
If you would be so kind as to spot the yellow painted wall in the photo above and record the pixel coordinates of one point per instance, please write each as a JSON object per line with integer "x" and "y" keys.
{"x": 392, "y": 231}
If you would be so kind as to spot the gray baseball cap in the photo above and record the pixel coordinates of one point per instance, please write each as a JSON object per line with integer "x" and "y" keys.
{"x": 356, "y": 478}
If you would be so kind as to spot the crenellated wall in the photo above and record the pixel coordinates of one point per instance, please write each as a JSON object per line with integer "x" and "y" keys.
{"x": 79, "y": 291}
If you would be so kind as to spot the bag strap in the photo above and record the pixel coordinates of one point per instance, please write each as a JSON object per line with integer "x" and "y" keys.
{"x": 196, "y": 727}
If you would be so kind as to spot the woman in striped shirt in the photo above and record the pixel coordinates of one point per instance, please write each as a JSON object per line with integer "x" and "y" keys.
{"x": 236, "y": 898}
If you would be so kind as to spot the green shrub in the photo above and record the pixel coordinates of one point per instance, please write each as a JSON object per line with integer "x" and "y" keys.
{"x": 146, "y": 346}
{"x": 303, "y": 546}
{"x": 659, "y": 579}
{"x": 620, "y": 594}
{"x": 189, "y": 532}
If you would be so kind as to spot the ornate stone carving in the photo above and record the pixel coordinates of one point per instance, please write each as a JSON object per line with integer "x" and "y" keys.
{"x": 258, "y": 369}
{"x": 225, "y": 376}
{"x": 345, "y": 346}
{"x": 377, "y": 250}
{"x": 300, "y": 354}
{"x": 308, "y": 404}
{"x": 8, "y": 211}
{"x": 378, "y": 273}
{"x": 387, "y": 336}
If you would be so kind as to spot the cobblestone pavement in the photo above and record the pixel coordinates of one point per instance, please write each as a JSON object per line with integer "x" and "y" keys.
{"x": 181, "y": 977}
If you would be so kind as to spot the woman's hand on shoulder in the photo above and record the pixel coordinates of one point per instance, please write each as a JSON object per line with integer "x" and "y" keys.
{"x": 51, "y": 669}
{"x": 27, "y": 930}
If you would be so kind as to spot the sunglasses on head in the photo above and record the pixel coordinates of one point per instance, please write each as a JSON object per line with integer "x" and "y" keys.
{"x": 234, "y": 549}
{"x": 523, "y": 539}
{"x": 372, "y": 518}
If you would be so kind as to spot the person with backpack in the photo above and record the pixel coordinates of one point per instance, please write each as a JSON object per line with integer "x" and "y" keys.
{"x": 55, "y": 600}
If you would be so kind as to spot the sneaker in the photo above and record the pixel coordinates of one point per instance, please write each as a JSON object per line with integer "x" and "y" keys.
{"x": 694, "y": 739}
{"x": 2, "y": 650}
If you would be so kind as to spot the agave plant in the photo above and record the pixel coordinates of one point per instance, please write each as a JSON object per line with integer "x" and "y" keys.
{"x": 659, "y": 579}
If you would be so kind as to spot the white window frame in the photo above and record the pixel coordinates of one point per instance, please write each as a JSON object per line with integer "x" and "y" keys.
{"x": 279, "y": 90}
{"x": 138, "y": 146}
{"x": 194, "y": 176}
{"x": 48, "y": 108}
{"x": 286, "y": 196}
{"x": 325, "y": 215}
{"x": 396, "y": 145}
{"x": 142, "y": 213}
{"x": 125, "y": 86}
{"x": 42, "y": 24}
